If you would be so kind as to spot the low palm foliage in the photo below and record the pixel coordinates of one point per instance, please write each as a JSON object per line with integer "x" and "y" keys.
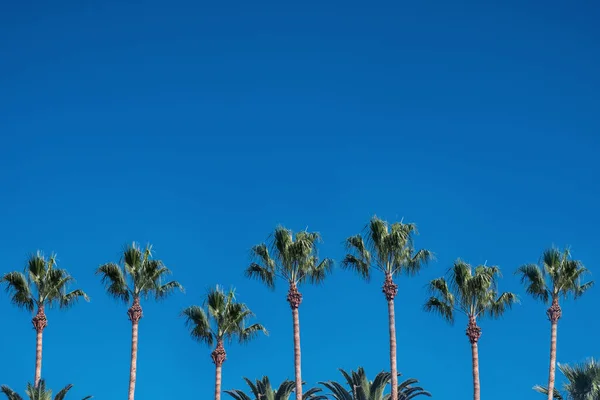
{"x": 262, "y": 390}
{"x": 583, "y": 382}
{"x": 38, "y": 392}
{"x": 361, "y": 388}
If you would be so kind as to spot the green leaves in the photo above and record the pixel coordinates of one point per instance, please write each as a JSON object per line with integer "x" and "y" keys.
{"x": 558, "y": 275}
{"x": 470, "y": 291}
{"x": 389, "y": 249}
{"x": 38, "y": 392}
{"x": 261, "y": 389}
{"x": 42, "y": 284}
{"x": 583, "y": 382}
{"x": 291, "y": 257}
{"x": 138, "y": 276}
{"x": 222, "y": 318}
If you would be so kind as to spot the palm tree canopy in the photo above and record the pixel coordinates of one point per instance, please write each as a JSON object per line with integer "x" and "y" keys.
{"x": 293, "y": 258}
{"x": 38, "y": 392}
{"x": 41, "y": 284}
{"x": 387, "y": 248}
{"x": 472, "y": 292}
{"x": 222, "y": 318}
{"x": 583, "y": 382}
{"x": 361, "y": 388}
{"x": 557, "y": 275}
{"x": 262, "y": 390}
{"x": 139, "y": 275}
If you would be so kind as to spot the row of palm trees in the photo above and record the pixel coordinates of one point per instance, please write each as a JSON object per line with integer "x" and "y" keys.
{"x": 293, "y": 259}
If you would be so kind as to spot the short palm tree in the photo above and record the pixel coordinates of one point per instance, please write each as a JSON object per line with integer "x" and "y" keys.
{"x": 583, "y": 382}
{"x": 223, "y": 320}
{"x": 361, "y": 388}
{"x": 41, "y": 285}
{"x": 558, "y": 276}
{"x": 388, "y": 249}
{"x": 139, "y": 276}
{"x": 38, "y": 392}
{"x": 474, "y": 294}
{"x": 294, "y": 259}
{"x": 262, "y": 390}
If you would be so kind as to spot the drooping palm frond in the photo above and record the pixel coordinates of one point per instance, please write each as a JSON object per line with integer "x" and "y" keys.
{"x": 198, "y": 324}
{"x": 389, "y": 249}
{"x": 557, "y": 275}
{"x": 10, "y": 394}
{"x": 293, "y": 258}
{"x": 42, "y": 284}
{"x": 139, "y": 275}
{"x": 38, "y": 392}
{"x": 261, "y": 389}
{"x": 582, "y": 381}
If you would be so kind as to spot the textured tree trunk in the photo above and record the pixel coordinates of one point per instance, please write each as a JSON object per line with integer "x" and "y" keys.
{"x": 390, "y": 289}
{"x": 295, "y": 298}
{"x": 39, "y": 323}
{"x": 135, "y": 314}
{"x": 554, "y": 313}
{"x": 218, "y": 357}
{"x": 474, "y": 333}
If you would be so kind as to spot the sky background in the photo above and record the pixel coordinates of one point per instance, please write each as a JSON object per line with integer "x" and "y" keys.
{"x": 200, "y": 126}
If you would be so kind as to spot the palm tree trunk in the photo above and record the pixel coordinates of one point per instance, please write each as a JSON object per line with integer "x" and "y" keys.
{"x": 476, "y": 383}
{"x": 218, "y": 356}
{"x": 135, "y": 314}
{"x": 474, "y": 333}
{"x": 554, "y": 313}
{"x": 39, "y": 323}
{"x": 390, "y": 289}
{"x": 295, "y": 298}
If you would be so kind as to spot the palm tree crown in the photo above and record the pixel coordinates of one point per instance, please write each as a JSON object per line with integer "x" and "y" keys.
{"x": 583, "y": 382}
{"x": 361, "y": 388}
{"x": 222, "y": 320}
{"x": 473, "y": 293}
{"x": 41, "y": 285}
{"x": 386, "y": 248}
{"x": 557, "y": 276}
{"x": 262, "y": 390}
{"x": 38, "y": 392}
{"x": 290, "y": 257}
{"x": 139, "y": 275}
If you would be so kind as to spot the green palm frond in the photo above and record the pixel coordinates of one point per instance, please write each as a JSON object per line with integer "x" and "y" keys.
{"x": 10, "y": 394}
{"x": 535, "y": 280}
{"x": 18, "y": 287}
{"x": 582, "y": 381}
{"x": 261, "y": 389}
{"x": 293, "y": 258}
{"x": 38, "y": 392}
{"x": 139, "y": 275}
{"x": 198, "y": 324}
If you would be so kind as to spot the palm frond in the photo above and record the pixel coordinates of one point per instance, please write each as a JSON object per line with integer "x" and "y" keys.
{"x": 61, "y": 395}
{"x": 68, "y": 299}
{"x": 19, "y": 289}
{"x": 113, "y": 277}
{"x": 198, "y": 324}
{"x": 534, "y": 279}
{"x": 10, "y": 394}
{"x": 502, "y": 303}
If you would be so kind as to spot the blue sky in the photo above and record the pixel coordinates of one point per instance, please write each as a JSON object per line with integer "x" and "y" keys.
{"x": 199, "y": 127}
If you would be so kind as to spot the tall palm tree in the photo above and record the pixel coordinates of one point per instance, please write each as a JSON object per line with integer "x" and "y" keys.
{"x": 390, "y": 250}
{"x": 294, "y": 259}
{"x": 557, "y": 276}
{"x": 138, "y": 276}
{"x": 38, "y": 392}
{"x": 41, "y": 285}
{"x": 472, "y": 293}
{"x": 361, "y": 388}
{"x": 583, "y": 382}
{"x": 262, "y": 390}
{"x": 223, "y": 320}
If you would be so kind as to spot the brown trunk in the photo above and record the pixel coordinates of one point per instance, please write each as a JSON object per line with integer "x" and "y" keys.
{"x": 218, "y": 357}
{"x": 135, "y": 314}
{"x": 39, "y": 323}
{"x": 554, "y": 313}
{"x": 390, "y": 289}
{"x": 474, "y": 333}
{"x": 295, "y": 298}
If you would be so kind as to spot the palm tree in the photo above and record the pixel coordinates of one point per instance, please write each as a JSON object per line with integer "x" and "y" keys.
{"x": 138, "y": 277}
{"x": 390, "y": 250}
{"x": 558, "y": 276}
{"x": 293, "y": 259}
{"x": 223, "y": 320}
{"x": 37, "y": 392}
{"x": 262, "y": 390}
{"x": 361, "y": 388}
{"x": 41, "y": 285}
{"x": 474, "y": 294}
{"x": 583, "y": 382}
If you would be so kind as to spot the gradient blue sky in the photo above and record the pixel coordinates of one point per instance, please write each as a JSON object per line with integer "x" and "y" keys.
{"x": 199, "y": 127}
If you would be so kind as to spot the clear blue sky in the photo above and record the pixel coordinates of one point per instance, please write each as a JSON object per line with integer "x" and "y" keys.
{"x": 200, "y": 127}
